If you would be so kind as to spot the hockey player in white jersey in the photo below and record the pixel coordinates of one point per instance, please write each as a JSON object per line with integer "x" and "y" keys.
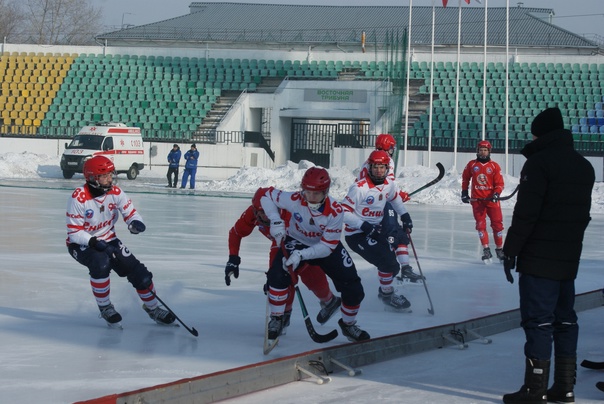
{"x": 92, "y": 211}
{"x": 312, "y": 236}
{"x": 378, "y": 238}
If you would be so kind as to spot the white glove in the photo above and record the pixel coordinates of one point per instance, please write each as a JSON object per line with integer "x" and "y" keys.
{"x": 294, "y": 259}
{"x": 278, "y": 231}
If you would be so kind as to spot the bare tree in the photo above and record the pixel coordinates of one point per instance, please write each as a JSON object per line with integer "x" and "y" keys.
{"x": 62, "y": 22}
{"x": 11, "y": 18}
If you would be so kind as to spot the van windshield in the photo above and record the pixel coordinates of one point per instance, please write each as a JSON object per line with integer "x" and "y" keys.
{"x": 91, "y": 142}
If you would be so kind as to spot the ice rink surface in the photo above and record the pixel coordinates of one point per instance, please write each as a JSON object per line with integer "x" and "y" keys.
{"x": 55, "y": 349}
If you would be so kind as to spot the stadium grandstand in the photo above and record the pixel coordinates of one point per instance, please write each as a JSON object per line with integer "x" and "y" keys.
{"x": 260, "y": 84}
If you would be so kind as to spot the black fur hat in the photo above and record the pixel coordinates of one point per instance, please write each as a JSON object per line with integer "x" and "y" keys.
{"x": 547, "y": 121}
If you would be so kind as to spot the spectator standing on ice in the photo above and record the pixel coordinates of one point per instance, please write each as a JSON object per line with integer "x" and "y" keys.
{"x": 173, "y": 163}
{"x": 191, "y": 157}
{"x": 544, "y": 244}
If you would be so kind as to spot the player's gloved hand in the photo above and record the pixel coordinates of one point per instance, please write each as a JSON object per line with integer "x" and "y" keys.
{"x": 509, "y": 263}
{"x": 397, "y": 237}
{"x": 404, "y": 196}
{"x": 371, "y": 230}
{"x": 102, "y": 246}
{"x": 294, "y": 259}
{"x": 136, "y": 226}
{"x": 99, "y": 245}
{"x": 232, "y": 268}
{"x": 465, "y": 198}
{"x": 495, "y": 197}
{"x": 407, "y": 222}
{"x": 278, "y": 231}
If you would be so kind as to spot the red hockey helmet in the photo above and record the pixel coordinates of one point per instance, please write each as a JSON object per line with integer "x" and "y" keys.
{"x": 316, "y": 179}
{"x": 95, "y": 167}
{"x": 385, "y": 142}
{"x": 484, "y": 143}
{"x": 378, "y": 157}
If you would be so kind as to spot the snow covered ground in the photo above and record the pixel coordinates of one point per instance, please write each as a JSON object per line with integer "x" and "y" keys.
{"x": 55, "y": 349}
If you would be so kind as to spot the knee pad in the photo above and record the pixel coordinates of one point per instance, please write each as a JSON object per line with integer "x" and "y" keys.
{"x": 353, "y": 293}
{"x": 99, "y": 267}
{"x": 278, "y": 278}
{"x": 140, "y": 277}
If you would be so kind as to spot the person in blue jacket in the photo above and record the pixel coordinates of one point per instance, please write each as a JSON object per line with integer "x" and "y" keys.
{"x": 173, "y": 163}
{"x": 191, "y": 158}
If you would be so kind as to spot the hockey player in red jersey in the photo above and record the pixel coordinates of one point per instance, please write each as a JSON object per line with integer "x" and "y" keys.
{"x": 484, "y": 177}
{"x": 312, "y": 236}
{"x": 92, "y": 211}
{"x": 313, "y": 277}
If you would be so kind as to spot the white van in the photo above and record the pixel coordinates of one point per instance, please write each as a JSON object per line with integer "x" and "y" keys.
{"x": 120, "y": 143}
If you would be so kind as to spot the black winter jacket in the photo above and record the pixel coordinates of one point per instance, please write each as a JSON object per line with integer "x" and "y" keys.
{"x": 552, "y": 209}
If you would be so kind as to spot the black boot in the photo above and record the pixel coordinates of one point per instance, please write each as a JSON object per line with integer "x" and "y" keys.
{"x": 534, "y": 389}
{"x": 565, "y": 376}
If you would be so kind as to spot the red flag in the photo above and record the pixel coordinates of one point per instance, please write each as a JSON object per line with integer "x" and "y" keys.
{"x": 468, "y": 1}
{"x": 445, "y": 3}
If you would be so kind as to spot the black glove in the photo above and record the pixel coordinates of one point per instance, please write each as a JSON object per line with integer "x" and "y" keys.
{"x": 371, "y": 230}
{"x": 407, "y": 222}
{"x": 99, "y": 245}
{"x": 102, "y": 246}
{"x": 397, "y": 237}
{"x": 495, "y": 197}
{"x": 509, "y": 263}
{"x": 465, "y": 198}
{"x": 137, "y": 227}
{"x": 232, "y": 268}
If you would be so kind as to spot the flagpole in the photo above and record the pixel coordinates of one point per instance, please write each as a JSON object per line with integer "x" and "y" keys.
{"x": 507, "y": 79}
{"x": 457, "y": 83}
{"x": 431, "y": 88}
{"x": 484, "y": 76}
{"x": 408, "y": 77}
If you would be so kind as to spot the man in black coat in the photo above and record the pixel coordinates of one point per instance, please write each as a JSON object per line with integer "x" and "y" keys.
{"x": 544, "y": 244}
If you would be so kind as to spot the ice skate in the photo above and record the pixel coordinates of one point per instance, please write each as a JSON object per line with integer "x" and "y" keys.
{"x": 486, "y": 255}
{"x": 160, "y": 316}
{"x": 328, "y": 309}
{"x": 394, "y": 302}
{"x": 353, "y": 332}
{"x": 499, "y": 253}
{"x": 407, "y": 276}
{"x": 275, "y": 327}
{"x": 111, "y": 316}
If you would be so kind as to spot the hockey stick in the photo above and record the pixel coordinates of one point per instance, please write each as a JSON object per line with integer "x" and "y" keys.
{"x": 191, "y": 330}
{"x": 111, "y": 252}
{"x": 592, "y": 365}
{"x": 431, "y": 309}
{"x": 314, "y": 335}
{"x": 441, "y": 174}
{"x": 502, "y": 198}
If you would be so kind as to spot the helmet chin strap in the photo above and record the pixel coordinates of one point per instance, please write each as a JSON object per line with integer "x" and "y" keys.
{"x": 98, "y": 187}
{"x": 317, "y": 205}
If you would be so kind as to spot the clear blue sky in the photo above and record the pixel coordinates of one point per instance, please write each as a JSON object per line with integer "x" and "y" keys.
{"x": 581, "y": 17}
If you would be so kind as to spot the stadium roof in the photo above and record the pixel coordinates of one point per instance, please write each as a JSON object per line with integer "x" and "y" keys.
{"x": 275, "y": 23}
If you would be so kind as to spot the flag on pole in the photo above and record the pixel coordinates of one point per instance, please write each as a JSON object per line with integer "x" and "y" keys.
{"x": 444, "y": 3}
